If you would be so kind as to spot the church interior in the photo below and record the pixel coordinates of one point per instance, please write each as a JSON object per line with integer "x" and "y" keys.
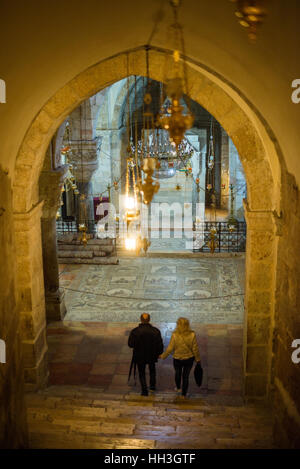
{"x": 149, "y": 164}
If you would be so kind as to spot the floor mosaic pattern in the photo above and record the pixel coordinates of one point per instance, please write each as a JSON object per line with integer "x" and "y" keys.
{"x": 207, "y": 291}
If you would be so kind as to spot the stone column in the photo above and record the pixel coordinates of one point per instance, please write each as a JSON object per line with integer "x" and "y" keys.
{"x": 31, "y": 298}
{"x": 85, "y": 161}
{"x": 50, "y": 190}
{"x": 261, "y": 259}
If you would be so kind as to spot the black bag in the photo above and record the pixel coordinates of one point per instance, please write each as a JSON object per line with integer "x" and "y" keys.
{"x": 198, "y": 374}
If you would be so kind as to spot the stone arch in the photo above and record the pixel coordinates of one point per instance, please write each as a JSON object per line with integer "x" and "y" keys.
{"x": 262, "y": 165}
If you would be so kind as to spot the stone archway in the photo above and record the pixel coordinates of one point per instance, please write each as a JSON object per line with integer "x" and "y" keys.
{"x": 261, "y": 163}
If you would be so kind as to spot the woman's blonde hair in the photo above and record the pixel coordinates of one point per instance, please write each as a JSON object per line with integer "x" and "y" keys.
{"x": 183, "y": 326}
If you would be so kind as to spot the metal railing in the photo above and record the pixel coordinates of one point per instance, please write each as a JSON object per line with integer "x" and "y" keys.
{"x": 64, "y": 227}
{"x": 225, "y": 240}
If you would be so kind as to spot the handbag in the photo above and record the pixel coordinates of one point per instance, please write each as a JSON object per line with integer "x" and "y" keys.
{"x": 198, "y": 374}
{"x": 198, "y": 370}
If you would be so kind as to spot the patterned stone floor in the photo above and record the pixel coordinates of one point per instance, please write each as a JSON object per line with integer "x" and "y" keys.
{"x": 206, "y": 290}
{"x": 97, "y": 354}
{"x": 105, "y": 302}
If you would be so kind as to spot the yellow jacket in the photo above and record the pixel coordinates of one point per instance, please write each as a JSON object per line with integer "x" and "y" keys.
{"x": 183, "y": 347}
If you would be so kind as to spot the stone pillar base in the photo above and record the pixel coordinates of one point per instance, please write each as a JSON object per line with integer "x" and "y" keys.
{"x": 55, "y": 305}
{"x": 37, "y": 376}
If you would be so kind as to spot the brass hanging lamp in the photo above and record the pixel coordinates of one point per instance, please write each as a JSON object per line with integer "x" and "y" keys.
{"x": 147, "y": 186}
{"x": 175, "y": 119}
{"x": 251, "y": 14}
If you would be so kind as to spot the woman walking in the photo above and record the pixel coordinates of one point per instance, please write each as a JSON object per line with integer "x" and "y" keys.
{"x": 183, "y": 345}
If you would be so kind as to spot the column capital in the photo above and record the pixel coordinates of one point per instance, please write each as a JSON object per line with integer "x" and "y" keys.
{"x": 50, "y": 184}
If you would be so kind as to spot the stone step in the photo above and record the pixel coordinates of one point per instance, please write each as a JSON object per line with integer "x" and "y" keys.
{"x": 220, "y": 403}
{"x": 40, "y": 440}
{"x": 81, "y": 417}
{"x": 71, "y": 408}
{"x": 81, "y": 254}
{"x": 145, "y": 424}
{"x": 72, "y": 240}
{"x": 89, "y": 247}
{"x": 108, "y": 260}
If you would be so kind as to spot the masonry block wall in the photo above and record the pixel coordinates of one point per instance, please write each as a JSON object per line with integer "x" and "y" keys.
{"x": 13, "y": 427}
{"x": 287, "y": 321}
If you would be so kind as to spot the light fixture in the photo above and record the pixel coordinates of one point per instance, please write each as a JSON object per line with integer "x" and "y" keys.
{"x": 168, "y": 158}
{"x": 250, "y": 14}
{"x": 232, "y": 221}
{"x": 130, "y": 243}
{"x": 131, "y": 210}
{"x": 174, "y": 118}
{"x": 148, "y": 187}
{"x": 82, "y": 229}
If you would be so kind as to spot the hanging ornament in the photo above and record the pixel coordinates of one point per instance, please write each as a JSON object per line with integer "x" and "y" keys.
{"x": 232, "y": 221}
{"x": 174, "y": 118}
{"x": 250, "y": 14}
{"x": 131, "y": 210}
{"x": 148, "y": 187}
{"x": 211, "y": 150}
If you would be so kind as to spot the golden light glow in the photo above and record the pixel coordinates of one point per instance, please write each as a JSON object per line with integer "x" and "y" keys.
{"x": 130, "y": 244}
{"x": 130, "y": 203}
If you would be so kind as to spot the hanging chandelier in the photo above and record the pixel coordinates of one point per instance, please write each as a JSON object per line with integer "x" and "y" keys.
{"x": 168, "y": 158}
{"x": 250, "y": 14}
{"x": 175, "y": 119}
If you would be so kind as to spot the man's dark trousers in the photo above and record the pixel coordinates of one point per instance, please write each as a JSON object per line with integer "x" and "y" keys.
{"x": 142, "y": 376}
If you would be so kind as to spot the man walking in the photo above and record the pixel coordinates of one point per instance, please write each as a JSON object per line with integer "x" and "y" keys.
{"x": 147, "y": 345}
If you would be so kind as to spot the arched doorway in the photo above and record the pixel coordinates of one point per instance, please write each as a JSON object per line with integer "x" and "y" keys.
{"x": 262, "y": 169}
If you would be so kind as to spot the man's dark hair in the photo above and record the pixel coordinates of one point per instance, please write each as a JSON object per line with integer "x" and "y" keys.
{"x": 145, "y": 318}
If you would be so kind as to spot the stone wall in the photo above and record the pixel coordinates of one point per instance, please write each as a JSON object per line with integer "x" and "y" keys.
{"x": 286, "y": 374}
{"x": 13, "y": 427}
{"x": 31, "y": 296}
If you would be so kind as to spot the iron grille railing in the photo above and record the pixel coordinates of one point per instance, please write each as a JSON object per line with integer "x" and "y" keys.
{"x": 226, "y": 240}
{"x": 64, "y": 227}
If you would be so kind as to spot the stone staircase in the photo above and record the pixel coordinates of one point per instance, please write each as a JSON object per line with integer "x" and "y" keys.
{"x": 87, "y": 418}
{"x": 97, "y": 251}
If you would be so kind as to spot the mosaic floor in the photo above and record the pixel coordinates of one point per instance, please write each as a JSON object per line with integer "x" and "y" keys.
{"x": 97, "y": 354}
{"x": 104, "y": 303}
{"x": 207, "y": 291}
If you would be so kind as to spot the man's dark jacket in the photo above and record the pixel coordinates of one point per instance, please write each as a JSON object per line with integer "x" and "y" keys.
{"x": 146, "y": 342}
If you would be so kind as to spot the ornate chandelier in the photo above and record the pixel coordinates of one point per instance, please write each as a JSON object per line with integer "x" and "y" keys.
{"x": 168, "y": 158}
